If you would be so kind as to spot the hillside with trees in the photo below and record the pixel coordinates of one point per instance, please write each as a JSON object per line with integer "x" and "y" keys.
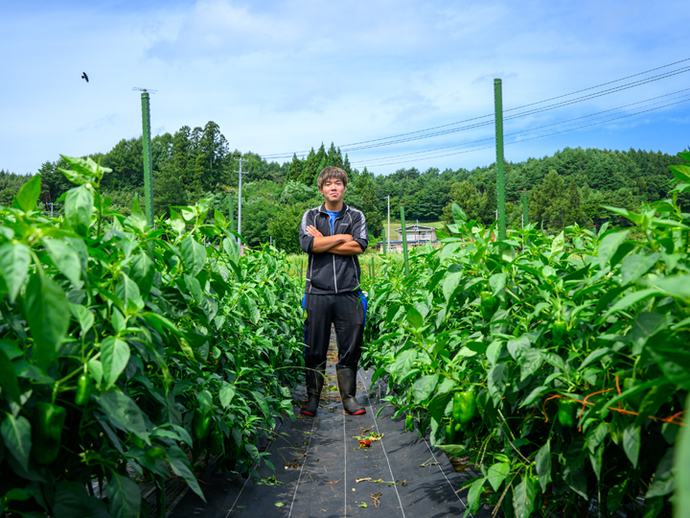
{"x": 572, "y": 186}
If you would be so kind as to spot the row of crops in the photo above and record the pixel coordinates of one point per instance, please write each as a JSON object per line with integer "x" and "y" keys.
{"x": 128, "y": 354}
{"x": 559, "y": 366}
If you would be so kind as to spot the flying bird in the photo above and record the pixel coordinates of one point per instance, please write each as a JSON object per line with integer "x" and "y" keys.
{"x": 84, "y": 76}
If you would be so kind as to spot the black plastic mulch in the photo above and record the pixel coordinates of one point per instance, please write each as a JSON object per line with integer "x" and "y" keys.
{"x": 322, "y": 472}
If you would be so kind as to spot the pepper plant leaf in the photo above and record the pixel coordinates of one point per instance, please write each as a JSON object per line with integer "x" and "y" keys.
{"x": 115, "y": 354}
{"x": 673, "y": 357}
{"x": 194, "y": 255}
{"x": 28, "y": 194}
{"x": 524, "y": 498}
{"x": 71, "y": 499}
{"x": 15, "y": 259}
{"x": 124, "y": 497}
{"x": 65, "y": 258}
{"x": 16, "y": 432}
{"x": 141, "y": 271}
{"x": 636, "y": 265}
{"x": 681, "y": 465}
{"x": 664, "y": 480}
{"x": 181, "y": 467}
{"x": 8, "y": 377}
{"x": 631, "y": 443}
{"x": 123, "y": 413}
{"x": 424, "y": 387}
{"x": 608, "y": 246}
{"x": 497, "y": 473}
{"x": 78, "y": 208}
{"x": 128, "y": 292}
{"x": 543, "y": 465}
{"x": 47, "y": 315}
{"x": 497, "y": 378}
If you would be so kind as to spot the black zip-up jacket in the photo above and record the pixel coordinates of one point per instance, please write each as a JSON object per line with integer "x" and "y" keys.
{"x": 329, "y": 273}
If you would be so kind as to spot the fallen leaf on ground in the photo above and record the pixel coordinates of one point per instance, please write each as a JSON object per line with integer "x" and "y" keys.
{"x": 429, "y": 463}
{"x": 375, "y": 499}
{"x": 373, "y": 436}
{"x": 381, "y": 481}
{"x": 460, "y": 463}
{"x": 335, "y": 482}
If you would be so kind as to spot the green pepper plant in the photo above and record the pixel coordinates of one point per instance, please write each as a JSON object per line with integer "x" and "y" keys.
{"x": 115, "y": 336}
{"x": 575, "y": 349}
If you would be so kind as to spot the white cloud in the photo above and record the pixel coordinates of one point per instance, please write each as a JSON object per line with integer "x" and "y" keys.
{"x": 290, "y": 74}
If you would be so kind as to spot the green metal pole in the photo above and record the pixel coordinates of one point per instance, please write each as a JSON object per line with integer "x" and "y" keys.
{"x": 525, "y": 210}
{"x": 500, "y": 176}
{"x": 373, "y": 271}
{"x": 384, "y": 241}
{"x": 148, "y": 158}
{"x": 231, "y": 212}
{"x": 404, "y": 240}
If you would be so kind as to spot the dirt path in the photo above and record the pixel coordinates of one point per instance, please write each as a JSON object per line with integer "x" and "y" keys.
{"x": 322, "y": 472}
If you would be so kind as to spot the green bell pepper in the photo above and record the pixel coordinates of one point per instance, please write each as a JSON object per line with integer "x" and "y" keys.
{"x": 84, "y": 386}
{"x": 450, "y": 434}
{"x": 156, "y": 452}
{"x": 231, "y": 453}
{"x": 567, "y": 413}
{"x": 217, "y": 440}
{"x": 48, "y": 422}
{"x": 559, "y": 329}
{"x": 489, "y": 304}
{"x": 409, "y": 423}
{"x": 464, "y": 406}
{"x": 201, "y": 423}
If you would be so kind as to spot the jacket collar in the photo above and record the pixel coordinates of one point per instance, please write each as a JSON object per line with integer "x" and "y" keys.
{"x": 322, "y": 209}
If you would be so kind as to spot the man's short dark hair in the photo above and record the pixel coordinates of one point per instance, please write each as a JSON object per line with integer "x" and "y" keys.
{"x": 331, "y": 172}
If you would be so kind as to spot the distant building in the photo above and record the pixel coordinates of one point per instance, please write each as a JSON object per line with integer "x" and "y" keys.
{"x": 417, "y": 235}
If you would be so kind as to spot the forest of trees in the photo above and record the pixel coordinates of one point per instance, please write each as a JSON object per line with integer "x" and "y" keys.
{"x": 569, "y": 187}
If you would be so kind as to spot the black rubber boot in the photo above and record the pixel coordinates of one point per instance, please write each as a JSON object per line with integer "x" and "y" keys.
{"x": 315, "y": 377}
{"x": 347, "y": 383}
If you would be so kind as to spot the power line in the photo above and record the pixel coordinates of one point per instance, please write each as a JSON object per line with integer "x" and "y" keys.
{"x": 604, "y": 92}
{"x": 407, "y": 137}
{"x": 607, "y": 120}
{"x": 600, "y": 85}
{"x": 530, "y": 112}
{"x": 416, "y": 153}
{"x": 525, "y": 139}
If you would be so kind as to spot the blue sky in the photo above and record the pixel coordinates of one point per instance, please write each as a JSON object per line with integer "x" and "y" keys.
{"x": 284, "y": 76}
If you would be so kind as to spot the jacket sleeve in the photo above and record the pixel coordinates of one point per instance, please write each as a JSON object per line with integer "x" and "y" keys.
{"x": 360, "y": 233}
{"x": 306, "y": 240}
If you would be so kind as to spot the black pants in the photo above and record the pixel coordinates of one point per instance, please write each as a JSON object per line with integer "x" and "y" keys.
{"x": 347, "y": 312}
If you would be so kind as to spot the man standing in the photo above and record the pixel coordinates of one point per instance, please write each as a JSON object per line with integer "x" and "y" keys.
{"x": 333, "y": 235}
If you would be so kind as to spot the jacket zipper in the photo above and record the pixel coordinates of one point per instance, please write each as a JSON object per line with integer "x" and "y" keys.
{"x": 335, "y": 279}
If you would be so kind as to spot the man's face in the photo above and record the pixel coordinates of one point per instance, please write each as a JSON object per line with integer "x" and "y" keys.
{"x": 333, "y": 190}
